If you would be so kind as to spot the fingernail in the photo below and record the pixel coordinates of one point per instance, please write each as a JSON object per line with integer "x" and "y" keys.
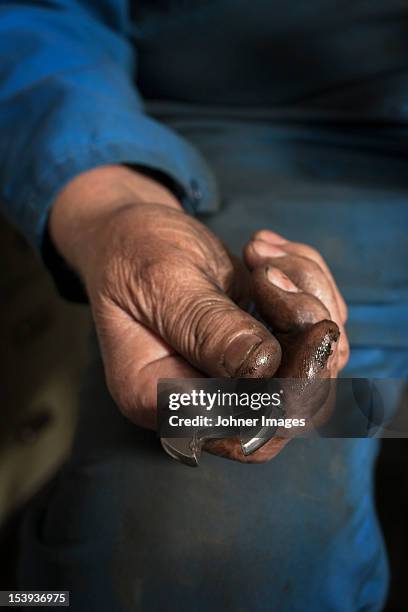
{"x": 238, "y": 351}
{"x": 265, "y": 249}
{"x": 279, "y": 279}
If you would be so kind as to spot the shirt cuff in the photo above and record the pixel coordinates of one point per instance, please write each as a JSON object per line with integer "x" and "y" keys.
{"x": 161, "y": 151}
{"x": 170, "y": 155}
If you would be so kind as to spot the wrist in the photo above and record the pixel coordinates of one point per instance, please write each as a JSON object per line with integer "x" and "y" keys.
{"x": 92, "y": 198}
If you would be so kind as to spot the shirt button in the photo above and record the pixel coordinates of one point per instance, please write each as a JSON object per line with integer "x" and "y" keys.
{"x": 196, "y": 194}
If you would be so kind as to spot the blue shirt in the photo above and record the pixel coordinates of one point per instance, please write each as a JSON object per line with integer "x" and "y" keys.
{"x": 69, "y": 100}
{"x": 68, "y": 103}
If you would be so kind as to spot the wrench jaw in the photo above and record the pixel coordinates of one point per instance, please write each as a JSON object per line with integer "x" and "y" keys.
{"x": 188, "y": 450}
{"x": 250, "y": 445}
{"x": 185, "y": 450}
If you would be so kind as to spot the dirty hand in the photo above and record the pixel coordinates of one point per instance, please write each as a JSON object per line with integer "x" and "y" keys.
{"x": 295, "y": 293}
{"x": 164, "y": 291}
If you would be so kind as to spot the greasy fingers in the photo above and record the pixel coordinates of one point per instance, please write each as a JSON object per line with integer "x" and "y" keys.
{"x": 275, "y": 241}
{"x": 305, "y": 267}
{"x": 284, "y": 308}
{"x": 230, "y": 448}
{"x": 300, "y": 321}
{"x": 309, "y": 342}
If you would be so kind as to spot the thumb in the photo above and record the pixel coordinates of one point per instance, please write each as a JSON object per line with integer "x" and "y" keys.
{"x": 209, "y": 330}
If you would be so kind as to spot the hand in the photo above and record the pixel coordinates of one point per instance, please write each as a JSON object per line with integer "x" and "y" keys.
{"x": 163, "y": 289}
{"x": 300, "y": 277}
{"x": 296, "y": 294}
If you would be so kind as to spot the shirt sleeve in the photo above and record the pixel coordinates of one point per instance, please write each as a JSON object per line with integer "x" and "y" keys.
{"x": 68, "y": 104}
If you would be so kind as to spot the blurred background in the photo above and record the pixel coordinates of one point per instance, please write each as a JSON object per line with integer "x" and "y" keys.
{"x": 44, "y": 351}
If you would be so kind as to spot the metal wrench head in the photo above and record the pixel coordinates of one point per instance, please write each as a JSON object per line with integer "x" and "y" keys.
{"x": 185, "y": 450}
{"x": 188, "y": 450}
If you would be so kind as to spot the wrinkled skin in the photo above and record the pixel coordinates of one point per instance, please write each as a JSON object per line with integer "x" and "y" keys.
{"x": 168, "y": 300}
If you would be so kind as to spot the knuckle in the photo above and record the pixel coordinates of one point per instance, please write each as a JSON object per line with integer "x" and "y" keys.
{"x": 260, "y": 234}
{"x": 153, "y": 273}
{"x": 310, "y": 268}
{"x": 307, "y": 251}
{"x": 312, "y": 253}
